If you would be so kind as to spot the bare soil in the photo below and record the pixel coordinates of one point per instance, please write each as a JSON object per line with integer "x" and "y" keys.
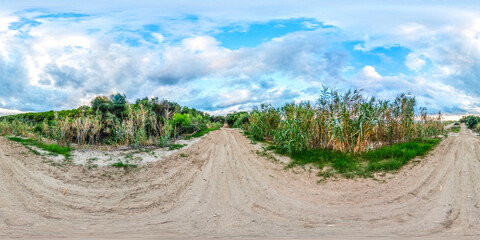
{"x": 105, "y": 157}
{"x": 219, "y": 187}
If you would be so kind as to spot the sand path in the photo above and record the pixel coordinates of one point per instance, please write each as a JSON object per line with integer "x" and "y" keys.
{"x": 219, "y": 187}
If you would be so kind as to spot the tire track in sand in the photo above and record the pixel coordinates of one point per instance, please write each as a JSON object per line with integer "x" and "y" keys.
{"x": 224, "y": 189}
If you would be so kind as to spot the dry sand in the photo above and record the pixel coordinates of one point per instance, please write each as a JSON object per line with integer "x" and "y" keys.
{"x": 101, "y": 158}
{"x": 223, "y": 189}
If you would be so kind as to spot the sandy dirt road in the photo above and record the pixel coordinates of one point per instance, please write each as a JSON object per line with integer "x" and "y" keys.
{"x": 220, "y": 187}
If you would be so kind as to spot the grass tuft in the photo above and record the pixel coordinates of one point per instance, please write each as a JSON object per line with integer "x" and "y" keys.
{"x": 123, "y": 165}
{"x": 200, "y": 133}
{"x": 52, "y": 148}
{"x": 350, "y": 165}
{"x": 176, "y": 146}
{"x": 395, "y": 156}
{"x": 455, "y": 129}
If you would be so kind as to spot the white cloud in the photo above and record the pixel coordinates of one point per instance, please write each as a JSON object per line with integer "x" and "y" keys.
{"x": 160, "y": 38}
{"x": 414, "y": 62}
{"x": 369, "y": 73}
{"x": 200, "y": 43}
{"x": 4, "y": 111}
{"x": 236, "y": 97}
{"x": 368, "y": 79}
{"x": 6, "y": 21}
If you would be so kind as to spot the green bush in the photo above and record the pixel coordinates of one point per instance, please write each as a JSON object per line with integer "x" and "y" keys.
{"x": 112, "y": 120}
{"x": 241, "y": 121}
{"x": 471, "y": 121}
{"x": 236, "y": 119}
{"x": 115, "y": 104}
{"x": 184, "y": 123}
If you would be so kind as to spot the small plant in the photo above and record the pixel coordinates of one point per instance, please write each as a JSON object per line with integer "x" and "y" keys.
{"x": 454, "y": 129}
{"x": 176, "y": 146}
{"x": 200, "y": 133}
{"x": 183, "y": 155}
{"x": 326, "y": 174}
{"x": 266, "y": 154}
{"x": 90, "y": 163}
{"x": 163, "y": 141}
{"x": 33, "y": 150}
{"x": 52, "y": 148}
{"x": 123, "y": 165}
{"x": 93, "y": 166}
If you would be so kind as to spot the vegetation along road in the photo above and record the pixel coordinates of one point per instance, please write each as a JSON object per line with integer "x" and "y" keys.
{"x": 220, "y": 187}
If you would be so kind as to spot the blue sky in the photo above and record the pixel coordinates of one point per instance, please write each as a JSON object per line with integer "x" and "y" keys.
{"x": 230, "y": 56}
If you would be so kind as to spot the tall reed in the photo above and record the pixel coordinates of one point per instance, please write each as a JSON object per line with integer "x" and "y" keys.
{"x": 347, "y": 122}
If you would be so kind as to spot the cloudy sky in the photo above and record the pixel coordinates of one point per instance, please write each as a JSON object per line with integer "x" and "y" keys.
{"x": 222, "y": 56}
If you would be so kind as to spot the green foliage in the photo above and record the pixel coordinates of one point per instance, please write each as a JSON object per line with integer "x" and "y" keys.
{"x": 237, "y": 119}
{"x": 263, "y": 122}
{"x": 53, "y": 148}
{"x": 471, "y": 121}
{"x": 347, "y": 122}
{"x": 35, "y": 118}
{"x": 176, "y": 146}
{"x": 200, "y": 133}
{"x": 395, "y": 156}
{"x": 115, "y": 104}
{"x": 112, "y": 120}
{"x": 456, "y": 128}
{"x": 386, "y": 158}
{"x": 185, "y": 122}
{"x": 16, "y": 127}
{"x": 124, "y": 165}
{"x": 218, "y": 119}
{"x": 294, "y": 132}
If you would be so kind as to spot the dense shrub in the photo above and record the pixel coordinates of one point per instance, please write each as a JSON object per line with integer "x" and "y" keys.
{"x": 471, "y": 121}
{"x": 236, "y": 119}
{"x": 346, "y": 122}
{"x": 112, "y": 120}
{"x": 115, "y": 104}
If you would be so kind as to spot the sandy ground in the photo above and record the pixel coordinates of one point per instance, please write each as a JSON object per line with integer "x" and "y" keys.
{"x": 219, "y": 187}
{"x": 100, "y": 158}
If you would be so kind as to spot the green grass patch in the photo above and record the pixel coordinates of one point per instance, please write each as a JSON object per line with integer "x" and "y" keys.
{"x": 123, "y": 165}
{"x": 176, "y": 146}
{"x": 33, "y": 150}
{"x": 350, "y": 165}
{"x": 454, "y": 129}
{"x": 200, "y": 133}
{"x": 52, "y": 148}
{"x": 395, "y": 156}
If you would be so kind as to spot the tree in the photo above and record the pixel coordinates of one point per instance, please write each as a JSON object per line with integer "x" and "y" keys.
{"x": 115, "y": 104}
